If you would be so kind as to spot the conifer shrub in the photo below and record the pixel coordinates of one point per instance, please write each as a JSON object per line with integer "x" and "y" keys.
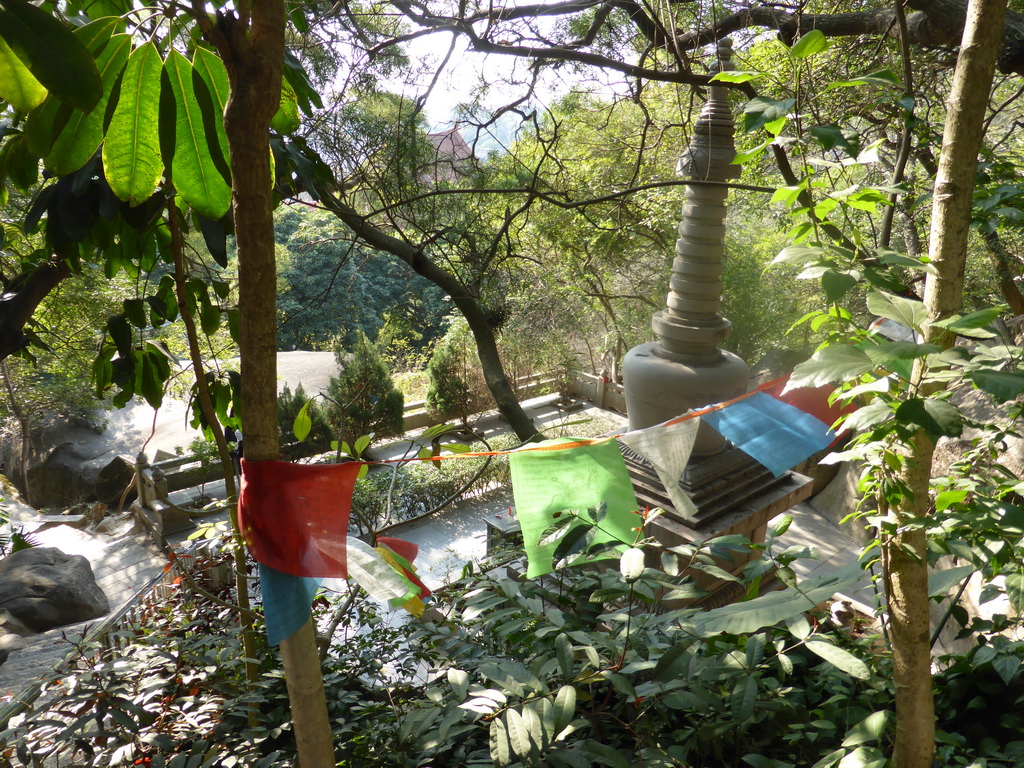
{"x": 363, "y": 398}
{"x": 456, "y": 388}
{"x": 321, "y": 432}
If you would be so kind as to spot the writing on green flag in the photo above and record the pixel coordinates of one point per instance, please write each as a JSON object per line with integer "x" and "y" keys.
{"x": 548, "y": 480}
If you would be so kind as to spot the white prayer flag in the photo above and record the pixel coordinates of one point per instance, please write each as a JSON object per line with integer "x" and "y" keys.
{"x": 667, "y": 447}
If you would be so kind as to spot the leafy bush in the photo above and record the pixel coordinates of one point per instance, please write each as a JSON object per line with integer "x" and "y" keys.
{"x": 585, "y": 667}
{"x": 456, "y": 386}
{"x": 363, "y": 397}
{"x": 321, "y": 431}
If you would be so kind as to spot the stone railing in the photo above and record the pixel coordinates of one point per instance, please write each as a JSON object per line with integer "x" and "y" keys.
{"x": 154, "y": 482}
{"x": 600, "y": 391}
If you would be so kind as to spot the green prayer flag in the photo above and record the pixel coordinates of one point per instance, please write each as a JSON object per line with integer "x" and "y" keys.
{"x": 552, "y": 479}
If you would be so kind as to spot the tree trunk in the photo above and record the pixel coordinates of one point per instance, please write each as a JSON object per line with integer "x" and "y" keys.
{"x": 26, "y": 430}
{"x": 252, "y": 48}
{"x": 907, "y": 566}
{"x": 1003, "y": 262}
{"x": 486, "y": 343}
{"x": 21, "y": 298}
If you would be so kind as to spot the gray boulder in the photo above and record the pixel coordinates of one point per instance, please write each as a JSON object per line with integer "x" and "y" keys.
{"x": 44, "y": 588}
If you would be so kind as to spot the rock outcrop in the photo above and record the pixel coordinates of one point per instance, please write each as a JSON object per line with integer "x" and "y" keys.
{"x": 43, "y": 588}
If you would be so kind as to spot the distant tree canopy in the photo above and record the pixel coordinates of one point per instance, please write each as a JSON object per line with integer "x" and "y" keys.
{"x": 330, "y": 289}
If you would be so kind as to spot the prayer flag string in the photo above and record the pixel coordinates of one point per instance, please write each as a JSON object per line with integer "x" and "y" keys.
{"x": 295, "y": 517}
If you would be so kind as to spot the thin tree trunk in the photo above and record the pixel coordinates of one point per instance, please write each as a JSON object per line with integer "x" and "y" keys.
{"x": 206, "y": 406}
{"x": 252, "y": 47}
{"x": 24, "y": 425}
{"x": 1002, "y": 260}
{"x": 905, "y": 555}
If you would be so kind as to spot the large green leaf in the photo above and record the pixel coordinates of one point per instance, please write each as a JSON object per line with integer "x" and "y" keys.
{"x": 132, "y": 161}
{"x": 83, "y": 132}
{"x": 17, "y": 85}
{"x": 936, "y": 417}
{"x": 1014, "y": 586}
{"x": 940, "y": 582}
{"x": 631, "y": 564}
{"x": 871, "y": 728}
{"x": 47, "y": 122}
{"x": 1003, "y": 385}
{"x": 193, "y": 171}
{"x": 839, "y": 658}
{"x": 764, "y": 611}
{"x": 57, "y": 59}
{"x": 973, "y": 325}
{"x": 760, "y": 112}
{"x": 909, "y": 313}
{"x": 564, "y": 708}
{"x": 868, "y": 416}
{"x": 839, "y": 362}
{"x": 808, "y": 45}
{"x": 744, "y": 695}
{"x": 888, "y": 352}
{"x": 286, "y": 120}
{"x": 211, "y": 69}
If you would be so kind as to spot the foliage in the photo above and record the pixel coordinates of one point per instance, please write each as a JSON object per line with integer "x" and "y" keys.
{"x": 391, "y": 494}
{"x": 363, "y": 398}
{"x": 321, "y": 431}
{"x": 330, "y": 289}
{"x": 456, "y": 387}
{"x": 586, "y": 667}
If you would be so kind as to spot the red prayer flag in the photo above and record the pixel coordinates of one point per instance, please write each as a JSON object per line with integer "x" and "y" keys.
{"x": 812, "y": 401}
{"x": 294, "y": 517}
{"x": 407, "y": 551}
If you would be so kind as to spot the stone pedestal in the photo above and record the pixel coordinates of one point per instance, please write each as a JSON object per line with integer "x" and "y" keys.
{"x": 659, "y": 388}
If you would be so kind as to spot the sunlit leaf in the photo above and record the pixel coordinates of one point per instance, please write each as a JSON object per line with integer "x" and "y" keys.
{"x": 735, "y": 76}
{"x": 973, "y": 325}
{"x": 83, "y": 133}
{"x": 798, "y": 254}
{"x": 56, "y": 58}
{"x": 211, "y": 69}
{"x": 195, "y": 175}
{"x": 884, "y": 78}
{"x": 17, "y": 85}
{"x": 910, "y": 313}
{"x": 303, "y": 422}
{"x": 631, "y": 564}
{"x": 940, "y": 582}
{"x": 132, "y": 160}
{"x": 809, "y": 44}
{"x": 840, "y": 362}
{"x": 286, "y": 119}
{"x": 871, "y": 728}
{"x": 760, "y": 111}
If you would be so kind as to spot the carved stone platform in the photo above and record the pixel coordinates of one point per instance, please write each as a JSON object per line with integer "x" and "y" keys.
{"x": 733, "y": 493}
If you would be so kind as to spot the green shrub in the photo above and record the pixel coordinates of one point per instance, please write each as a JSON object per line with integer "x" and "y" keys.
{"x": 512, "y": 665}
{"x": 321, "y": 432}
{"x": 456, "y": 388}
{"x": 363, "y": 397}
{"x": 420, "y": 487}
